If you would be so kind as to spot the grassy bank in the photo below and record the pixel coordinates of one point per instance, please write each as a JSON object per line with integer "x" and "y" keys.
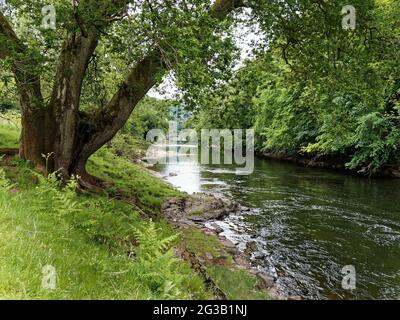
{"x": 103, "y": 246}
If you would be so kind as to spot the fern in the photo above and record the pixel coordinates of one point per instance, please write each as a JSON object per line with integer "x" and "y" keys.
{"x": 4, "y": 182}
{"x": 150, "y": 243}
{"x": 51, "y": 197}
{"x": 157, "y": 262}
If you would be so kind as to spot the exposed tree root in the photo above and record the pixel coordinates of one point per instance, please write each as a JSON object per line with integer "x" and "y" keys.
{"x": 90, "y": 183}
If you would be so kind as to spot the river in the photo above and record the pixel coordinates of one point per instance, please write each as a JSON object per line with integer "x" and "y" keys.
{"x": 305, "y": 224}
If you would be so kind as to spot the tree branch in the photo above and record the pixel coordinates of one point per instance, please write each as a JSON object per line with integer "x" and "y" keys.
{"x": 10, "y": 43}
{"x": 23, "y": 66}
{"x": 106, "y": 122}
{"x": 222, "y": 8}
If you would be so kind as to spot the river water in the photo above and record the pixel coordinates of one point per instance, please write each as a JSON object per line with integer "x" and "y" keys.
{"x": 305, "y": 225}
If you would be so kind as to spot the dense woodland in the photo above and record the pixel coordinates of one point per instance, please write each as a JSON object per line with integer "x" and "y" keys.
{"x": 332, "y": 96}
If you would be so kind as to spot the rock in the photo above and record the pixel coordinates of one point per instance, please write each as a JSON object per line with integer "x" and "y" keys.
{"x": 173, "y": 174}
{"x": 229, "y": 246}
{"x": 295, "y": 298}
{"x": 266, "y": 282}
{"x": 198, "y": 208}
{"x": 251, "y": 247}
{"x": 217, "y": 228}
{"x": 243, "y": 262}
{"x": 396, "y": 174}
{"x": 258, "y": 255}
{"x": 209, "y": 256}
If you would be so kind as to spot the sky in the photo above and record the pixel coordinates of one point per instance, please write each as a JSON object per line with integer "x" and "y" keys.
{"x": 245, "y": 41}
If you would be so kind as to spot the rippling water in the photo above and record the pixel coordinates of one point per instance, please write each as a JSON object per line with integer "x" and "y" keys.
{"x": 307, "y": 224}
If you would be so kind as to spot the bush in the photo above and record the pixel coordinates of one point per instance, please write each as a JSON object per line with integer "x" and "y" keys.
{"x": 377, "y": 142}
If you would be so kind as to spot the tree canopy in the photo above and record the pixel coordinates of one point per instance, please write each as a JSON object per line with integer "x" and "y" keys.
{"x": 79, "y": 82}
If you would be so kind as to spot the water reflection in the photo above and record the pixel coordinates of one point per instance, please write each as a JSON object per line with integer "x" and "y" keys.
{"x": 308, "y": 224}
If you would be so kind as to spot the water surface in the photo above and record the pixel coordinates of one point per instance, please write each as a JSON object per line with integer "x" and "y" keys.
{"x": 308, "y": 224}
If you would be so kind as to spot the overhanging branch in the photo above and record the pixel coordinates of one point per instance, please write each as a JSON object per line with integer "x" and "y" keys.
{"x": 106, "y": 122}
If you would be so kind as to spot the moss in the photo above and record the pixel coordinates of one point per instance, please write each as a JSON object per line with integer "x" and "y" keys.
{"x": 197, "y": 212}
{"x": 202, "y": 244}
{"x": 236, "y": 283}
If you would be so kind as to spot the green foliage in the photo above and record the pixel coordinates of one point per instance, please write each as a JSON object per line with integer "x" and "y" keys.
{"x": 319, "y": 90}
{"x": 150, "y": 114}
{"x": 4, "y": 182}
{"x": 158, "y": 262}
{"x": 9, "y": 130}
{"x": 377, "y": 142}
{"x": 49, "y": 195}
{"x": 231, "y": 106}
{"x": 6, "y": 106}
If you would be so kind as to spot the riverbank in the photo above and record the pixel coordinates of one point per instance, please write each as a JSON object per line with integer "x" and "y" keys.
{"x": 334, "y": 162}
{"x": 209, "y": 255}
{"x": 113, "y": 244}
{"x": 305, "y": 224}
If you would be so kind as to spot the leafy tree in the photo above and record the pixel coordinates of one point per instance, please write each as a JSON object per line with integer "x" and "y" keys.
{"x": 150, "y": 113}
{"x": 320, "y": 90}
{"x": 55, "y": 69}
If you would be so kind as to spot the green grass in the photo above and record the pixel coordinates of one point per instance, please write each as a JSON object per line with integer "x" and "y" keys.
{"x": 90, "y": 240}
{"x": 9, "y": 136}
{"x": 132, "y": 180}
{"x": 94, "y": 241}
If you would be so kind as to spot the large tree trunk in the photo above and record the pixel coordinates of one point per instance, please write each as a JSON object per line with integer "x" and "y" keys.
{"x": 37, "y": 138}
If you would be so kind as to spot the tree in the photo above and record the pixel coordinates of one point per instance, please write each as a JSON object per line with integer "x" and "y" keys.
{"x": 50, "y": 67}
{"x": 319, "y": 90}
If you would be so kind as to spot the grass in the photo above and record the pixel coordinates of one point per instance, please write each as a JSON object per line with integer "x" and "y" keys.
{"x": 102, "y": 246}
{"x": 132, "y": 180}
{"x": 9, "y": 133}
{"x": 92, "y": 243}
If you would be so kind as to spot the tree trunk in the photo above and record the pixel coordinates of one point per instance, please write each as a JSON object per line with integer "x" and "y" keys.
{"x": 37, "y": 136}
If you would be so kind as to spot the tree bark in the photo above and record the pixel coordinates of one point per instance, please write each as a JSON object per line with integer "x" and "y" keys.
{"x": 37, "y": 127}
{"x": 65, "y": 101}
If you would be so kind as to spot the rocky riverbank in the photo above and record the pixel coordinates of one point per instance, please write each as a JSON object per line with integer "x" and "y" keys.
{"x": 203, "y": 211}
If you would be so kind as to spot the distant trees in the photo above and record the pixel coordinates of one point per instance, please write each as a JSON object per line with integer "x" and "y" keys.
{"x": 336, "y": 93}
